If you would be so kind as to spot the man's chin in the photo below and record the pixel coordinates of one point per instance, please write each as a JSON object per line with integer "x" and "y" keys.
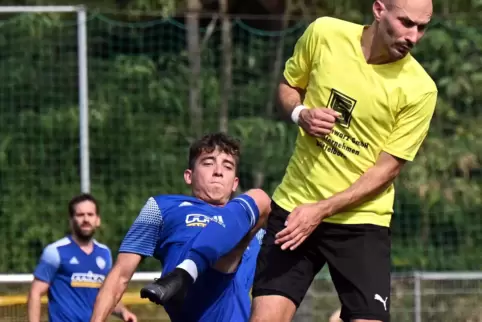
{"x": 85, "y": 235}
{"x": 399, "y": 54}
{"x": 216, "y": 200}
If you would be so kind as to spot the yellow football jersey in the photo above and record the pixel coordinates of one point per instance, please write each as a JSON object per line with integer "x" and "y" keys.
{"x": 384, "y": 107}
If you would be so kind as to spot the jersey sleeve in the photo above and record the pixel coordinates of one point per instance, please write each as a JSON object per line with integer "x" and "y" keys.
{"x": 298, "y": 67}
{"x": 249, "y": 205}
{"x": 48, "y": 265}
{"x": 145, "y": 232}
{"x": 411, "y": 127}
{"x": 109, "y": 259}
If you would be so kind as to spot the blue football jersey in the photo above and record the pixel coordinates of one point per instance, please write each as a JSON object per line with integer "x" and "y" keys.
{"x": 166, "y": 228}
{"x": 74, "y": 277}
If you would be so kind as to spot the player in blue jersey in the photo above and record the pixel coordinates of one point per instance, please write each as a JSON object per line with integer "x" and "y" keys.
{"x": 205, "y": 242}
{"x": 72, "y": 269}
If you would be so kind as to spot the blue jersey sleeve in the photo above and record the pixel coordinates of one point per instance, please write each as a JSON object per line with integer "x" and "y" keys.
{"x": 145, "y": 232}
{"x": 249, "y": 206}
{"x": 48, "y": 265}
{"x": 109, "y": 262}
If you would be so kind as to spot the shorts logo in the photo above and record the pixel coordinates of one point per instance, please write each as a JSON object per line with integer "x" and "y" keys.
{"x": 383, "y": 301}
{"x": 342, "y": 104}
{"x": 199, "y": 220}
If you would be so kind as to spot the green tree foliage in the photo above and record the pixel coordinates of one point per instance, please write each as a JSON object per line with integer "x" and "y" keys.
{"x": 140, "y": 131}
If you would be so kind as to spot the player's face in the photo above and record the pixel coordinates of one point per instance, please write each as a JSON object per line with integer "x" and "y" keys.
{"x": 402, "y": 24}
{"x": 213, "y": 177}
{"x": 85, "y": 220}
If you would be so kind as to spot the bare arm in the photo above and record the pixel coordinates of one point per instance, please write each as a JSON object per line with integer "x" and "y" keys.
{"x": 305, "y": 218}
{"x": 37, "y": 290}
{"x": 373, "y": 182}
{"x": 289, "y": 97}
{"x": 115, "y": 285}
{"x": 317, "y": 122}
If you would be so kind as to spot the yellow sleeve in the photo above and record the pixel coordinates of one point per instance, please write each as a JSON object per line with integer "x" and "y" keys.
{"x": 298, "y": 67}
{"x": 411, "y": 127}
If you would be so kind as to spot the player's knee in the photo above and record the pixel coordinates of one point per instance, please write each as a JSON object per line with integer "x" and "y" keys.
{"x": 335, "y": 316}
{"x": 272, "y": 308}
{"x": 262, "y": 200}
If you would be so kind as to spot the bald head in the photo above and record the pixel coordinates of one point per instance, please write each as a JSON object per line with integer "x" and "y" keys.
{"x": 421, "y": 9}
{"x": 400, "y": 24}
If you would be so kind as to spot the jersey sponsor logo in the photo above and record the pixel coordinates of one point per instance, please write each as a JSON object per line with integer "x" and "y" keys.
{"x": 74, "y": 261}
{"x": 200, "y": 220}
{"x": 343, "y": 104}
{"x": 88, "y": 280}
{"x": 197, "y": 220}
{"x": 100, "y": 262}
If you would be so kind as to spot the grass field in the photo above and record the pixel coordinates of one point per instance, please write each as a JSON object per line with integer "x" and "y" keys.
{"x": 13, "y": 305}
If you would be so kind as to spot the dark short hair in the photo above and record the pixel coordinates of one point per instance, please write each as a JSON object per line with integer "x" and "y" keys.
{"x": 211, "y": 142}
{"x": 81, "y": 198}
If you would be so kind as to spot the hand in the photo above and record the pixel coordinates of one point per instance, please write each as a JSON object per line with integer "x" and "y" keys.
{"x": 300, "y": 224}
{"x": 318, "y": 122}
{"x": 128, "y": 316}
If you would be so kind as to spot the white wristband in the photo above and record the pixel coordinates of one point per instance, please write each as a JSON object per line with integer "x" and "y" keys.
{"x": 295, "y": 115}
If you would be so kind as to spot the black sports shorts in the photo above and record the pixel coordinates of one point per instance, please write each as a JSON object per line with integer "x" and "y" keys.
{"x": 358, "y": 257}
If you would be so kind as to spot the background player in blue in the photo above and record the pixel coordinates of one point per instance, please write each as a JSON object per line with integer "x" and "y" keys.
{"x": 206, "y": 239}
{"x": 73, "y": 268}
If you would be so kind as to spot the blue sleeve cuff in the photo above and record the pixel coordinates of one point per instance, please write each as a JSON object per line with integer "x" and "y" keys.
{"x": 250, "y": 206}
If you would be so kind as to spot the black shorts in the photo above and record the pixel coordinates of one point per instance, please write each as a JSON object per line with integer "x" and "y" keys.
{"x": 358, "y": 257}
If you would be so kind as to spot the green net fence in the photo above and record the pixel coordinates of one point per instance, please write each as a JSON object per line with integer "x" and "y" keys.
{"x": 142, "y": 120}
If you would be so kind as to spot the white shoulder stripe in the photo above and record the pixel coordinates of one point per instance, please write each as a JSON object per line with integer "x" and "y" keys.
{"x": 51, "y": 254}
{"x": 101, "y": 245}
{"x": 61, "y": 242}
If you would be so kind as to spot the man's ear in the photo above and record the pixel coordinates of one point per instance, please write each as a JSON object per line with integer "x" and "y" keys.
{"x": 235, "y": 184}
{"x": 379, "y": 9}
{"x": 188, "y": 176}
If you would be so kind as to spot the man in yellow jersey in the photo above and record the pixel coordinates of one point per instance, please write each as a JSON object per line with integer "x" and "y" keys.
{"x": 366, "y": 110}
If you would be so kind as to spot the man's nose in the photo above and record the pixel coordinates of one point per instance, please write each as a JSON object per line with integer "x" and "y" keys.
{"x": 218, "y": 171}
{"x": 412, "y": 37}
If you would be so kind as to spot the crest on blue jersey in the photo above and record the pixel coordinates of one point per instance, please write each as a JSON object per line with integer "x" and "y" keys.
{"x": 100, "y": 262}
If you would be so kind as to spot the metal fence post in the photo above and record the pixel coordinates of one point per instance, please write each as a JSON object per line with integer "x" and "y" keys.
{"x": 417, "y": 296}
{"x": 83, "y": 99}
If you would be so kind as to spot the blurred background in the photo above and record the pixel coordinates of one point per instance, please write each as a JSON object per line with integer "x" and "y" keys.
{"x": 152, "y": 75}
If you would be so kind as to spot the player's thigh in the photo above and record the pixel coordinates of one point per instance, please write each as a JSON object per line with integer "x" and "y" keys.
{"x": 282, "y": 277}
{"x": 358, "y": 257}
